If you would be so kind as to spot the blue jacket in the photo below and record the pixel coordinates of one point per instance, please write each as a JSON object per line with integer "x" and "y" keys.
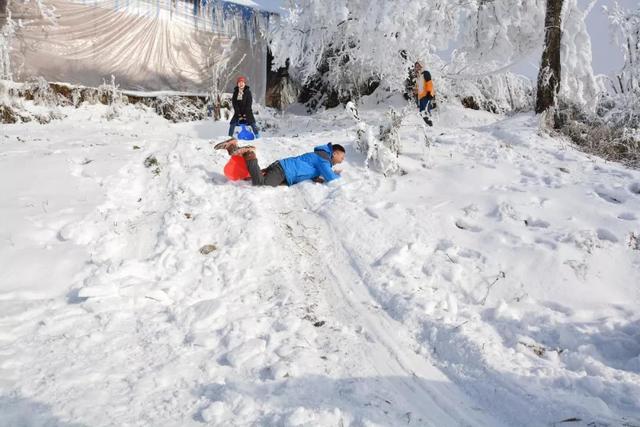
{"x": 310, "y": 165}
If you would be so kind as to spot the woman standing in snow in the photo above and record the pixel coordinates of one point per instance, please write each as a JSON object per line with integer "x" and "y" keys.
{"x": 242, "y": 111}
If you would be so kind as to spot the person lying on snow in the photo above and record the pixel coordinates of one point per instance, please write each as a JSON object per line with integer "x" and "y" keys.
{"x": 316, "y": 166}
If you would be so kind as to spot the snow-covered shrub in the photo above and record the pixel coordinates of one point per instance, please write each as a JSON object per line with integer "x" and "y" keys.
{"x": 39, "y": 91}
{"x": 381, "y": 150}
{"x": 594, "y": 135}
{"x": 181, "y": 108}
{"x": 10, "y": 112}
{"x": 389, "y": 131}
{"x": 619, "y": 109}
{"x": 109, "y": 94}
{"x": 498, "y": 93}
{"x": 14, "y": 110}
{"x": 7, "y": 113}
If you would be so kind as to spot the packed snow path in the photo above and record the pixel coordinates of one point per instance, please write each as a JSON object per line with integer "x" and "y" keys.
{"x": 496, "y": 283}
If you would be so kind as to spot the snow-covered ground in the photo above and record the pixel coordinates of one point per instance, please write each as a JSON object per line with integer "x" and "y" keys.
{"x": 497, "y": 282}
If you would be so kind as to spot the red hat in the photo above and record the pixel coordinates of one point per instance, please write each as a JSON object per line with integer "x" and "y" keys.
{"x": 241, "y": 79}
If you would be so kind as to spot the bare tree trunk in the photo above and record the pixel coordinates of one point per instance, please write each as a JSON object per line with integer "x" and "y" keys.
{"x": 3, "y": 13}
{"x": 549, "y": 74}
{"x": 217, "y": 107}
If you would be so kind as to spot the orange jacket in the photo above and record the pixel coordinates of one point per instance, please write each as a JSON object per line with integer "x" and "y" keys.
{"x": 424, "y": 85}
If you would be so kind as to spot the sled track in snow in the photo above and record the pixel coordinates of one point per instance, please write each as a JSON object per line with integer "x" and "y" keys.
{"x": 383, "y": 347}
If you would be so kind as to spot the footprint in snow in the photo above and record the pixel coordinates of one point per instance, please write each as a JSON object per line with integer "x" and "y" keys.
{"x": 615, "y": 197}
{"x": 634, "y": 188}
{"x": 609, "y": 197}
{"x": 606, "y": 235}
{"x": 375, "y": 209}
{"x": 627, "y": 216}
{"x": 613, "y": 172}
{"x": 372, "y": 213}
{"x": 546, "y": 243}
{"x": 470, "y": 254}
{"x": 503, "y": 211}
{"x": 536, "y": 223}
{"x": 464, "y": 225}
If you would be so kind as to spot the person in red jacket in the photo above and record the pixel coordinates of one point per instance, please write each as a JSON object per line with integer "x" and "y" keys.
{"x": 425, "y": 92}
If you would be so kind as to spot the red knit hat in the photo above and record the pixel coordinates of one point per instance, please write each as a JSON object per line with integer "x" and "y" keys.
{"x": 241, "y": 79}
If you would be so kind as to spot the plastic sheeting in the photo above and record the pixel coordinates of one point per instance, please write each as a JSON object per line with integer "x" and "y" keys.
{"x": 147, "y": 45}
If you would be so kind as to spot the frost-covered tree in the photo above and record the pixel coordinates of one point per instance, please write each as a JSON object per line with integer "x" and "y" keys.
{"x": 497, "y": 35}
{"x": 578, "y": 86}
{"x": 565, "y": 72}
{"x": 221, "y": 71}
{"x": 550, "y": 66}
{"x": 622, "y": 105}
{"x": 352, "y": 41}
{"x": 625, "y": 27}
{"x": 614, "y": 131}
{"x": 6, "y": 32}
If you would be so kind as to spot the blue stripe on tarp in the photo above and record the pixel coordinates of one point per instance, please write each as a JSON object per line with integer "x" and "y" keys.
{"x": 218, "y": 16}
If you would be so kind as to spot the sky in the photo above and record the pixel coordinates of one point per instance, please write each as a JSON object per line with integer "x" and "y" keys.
{"x": 606, "y": 56}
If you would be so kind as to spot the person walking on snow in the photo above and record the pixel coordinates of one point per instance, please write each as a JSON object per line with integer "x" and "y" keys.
{"x": 241, "y": 101}
{"x": 316, "y": 166}
{"x": 425, "y": 92}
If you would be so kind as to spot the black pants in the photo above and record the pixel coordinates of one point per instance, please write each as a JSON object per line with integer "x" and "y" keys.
{"x": 273, "y": 174}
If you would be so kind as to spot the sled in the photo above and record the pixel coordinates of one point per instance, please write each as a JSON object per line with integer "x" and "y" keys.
{"x": 236, "y": 169}
{"x": 245, "y": 133}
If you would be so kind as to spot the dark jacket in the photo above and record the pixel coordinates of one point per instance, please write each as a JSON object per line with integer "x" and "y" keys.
{"x": 310, "y": 166}
{"x": 242, "y": 108}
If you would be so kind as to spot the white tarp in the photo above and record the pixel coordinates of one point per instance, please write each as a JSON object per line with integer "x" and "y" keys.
{"x": 145, "y": 44}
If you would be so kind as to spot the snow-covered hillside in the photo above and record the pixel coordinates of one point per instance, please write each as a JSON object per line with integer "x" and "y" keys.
{"x": 497, "y": 282}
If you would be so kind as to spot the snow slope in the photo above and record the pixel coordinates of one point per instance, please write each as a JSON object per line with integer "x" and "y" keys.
{"x": 496, "y": 283}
